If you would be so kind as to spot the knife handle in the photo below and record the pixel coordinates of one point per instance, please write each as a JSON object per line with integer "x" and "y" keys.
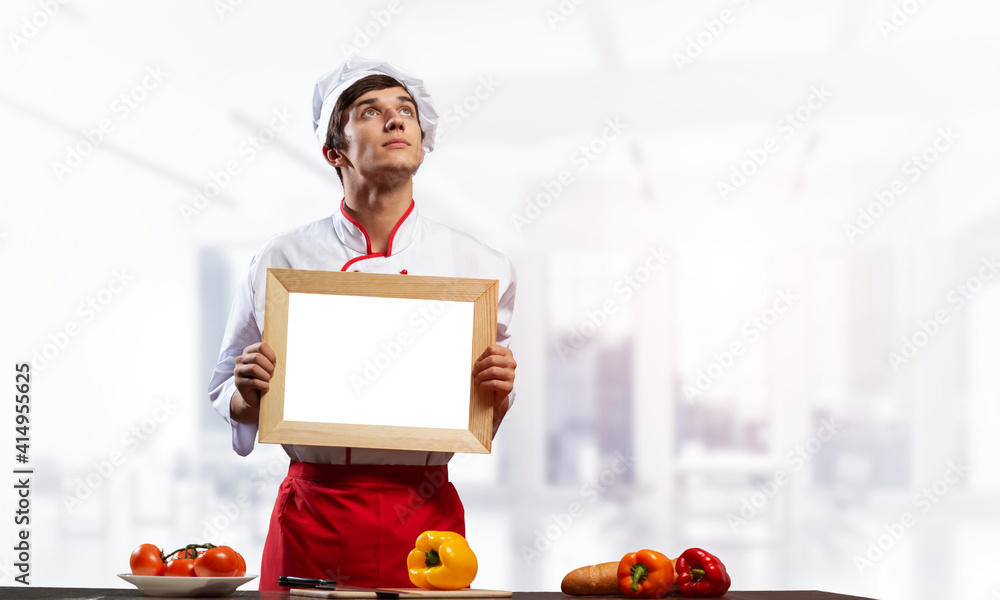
{"x": 287, "y": 581}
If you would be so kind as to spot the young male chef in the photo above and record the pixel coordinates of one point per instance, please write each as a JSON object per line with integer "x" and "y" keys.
{"x": 352, "y": 514}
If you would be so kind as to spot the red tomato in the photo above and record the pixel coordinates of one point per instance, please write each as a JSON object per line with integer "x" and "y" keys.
{"x": 180, "y": 567}
{"x": 191, "y": 553}
{"x": 146, "y": 560}
{"x": 220, "y": 561}
{"x": 241, "y": 570}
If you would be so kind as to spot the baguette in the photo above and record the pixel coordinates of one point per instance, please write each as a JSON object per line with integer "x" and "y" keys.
{"x": 593, "y": 580}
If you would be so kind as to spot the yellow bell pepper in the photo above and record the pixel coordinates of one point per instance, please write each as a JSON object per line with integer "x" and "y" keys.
{"x": 442, "y": 560}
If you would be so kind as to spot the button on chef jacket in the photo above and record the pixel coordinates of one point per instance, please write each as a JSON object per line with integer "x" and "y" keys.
{"x": 417, "y": 246}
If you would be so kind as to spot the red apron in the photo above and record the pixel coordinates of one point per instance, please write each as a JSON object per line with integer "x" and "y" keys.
{"x": 355, "y": 524}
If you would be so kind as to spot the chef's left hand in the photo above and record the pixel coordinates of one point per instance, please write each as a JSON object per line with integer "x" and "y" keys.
{"x": 494, "y": 370}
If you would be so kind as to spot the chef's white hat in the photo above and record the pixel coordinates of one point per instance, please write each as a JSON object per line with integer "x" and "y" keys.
{"x": 331, "y": 85}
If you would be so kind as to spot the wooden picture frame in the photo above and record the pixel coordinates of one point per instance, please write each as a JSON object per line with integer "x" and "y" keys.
{"x": 318, "y": 310}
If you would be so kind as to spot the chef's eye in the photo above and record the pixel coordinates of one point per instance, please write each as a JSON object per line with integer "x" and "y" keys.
{"x": 406, "y": 110}
{"x": 368, "y": 112}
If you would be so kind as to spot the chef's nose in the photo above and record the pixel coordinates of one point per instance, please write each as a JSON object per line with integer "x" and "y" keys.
{"x": 395, "y": 120}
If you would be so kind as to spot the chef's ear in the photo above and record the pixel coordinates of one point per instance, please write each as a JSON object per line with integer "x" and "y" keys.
{"x": 334, "y": 157}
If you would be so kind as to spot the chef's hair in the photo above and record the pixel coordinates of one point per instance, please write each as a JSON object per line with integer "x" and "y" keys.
{"x": 335, "y": 131}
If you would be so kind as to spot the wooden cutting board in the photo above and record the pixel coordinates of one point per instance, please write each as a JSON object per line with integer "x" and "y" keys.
{"x": 403, "y": 593}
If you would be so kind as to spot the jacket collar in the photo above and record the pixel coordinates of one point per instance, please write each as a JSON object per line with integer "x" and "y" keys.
{"x": 354, "y": 236}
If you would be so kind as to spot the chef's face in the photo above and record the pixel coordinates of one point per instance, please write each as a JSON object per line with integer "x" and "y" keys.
{"x": 383, "y": 137}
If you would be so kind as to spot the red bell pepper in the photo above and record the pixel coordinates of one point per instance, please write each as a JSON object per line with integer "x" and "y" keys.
{"x": 701, "y": 575}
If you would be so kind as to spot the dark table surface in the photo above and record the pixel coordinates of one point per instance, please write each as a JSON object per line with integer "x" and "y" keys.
{"x": 55, "y": 593}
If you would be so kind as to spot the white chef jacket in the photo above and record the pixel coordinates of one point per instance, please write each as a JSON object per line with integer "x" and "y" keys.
{"x": 416, "y": 246}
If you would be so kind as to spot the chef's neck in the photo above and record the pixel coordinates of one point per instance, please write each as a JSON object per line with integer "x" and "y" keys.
{"x": 378, "y": 210}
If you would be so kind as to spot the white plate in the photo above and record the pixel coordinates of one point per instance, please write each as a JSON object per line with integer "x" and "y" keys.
{"x": 178, "y": 587}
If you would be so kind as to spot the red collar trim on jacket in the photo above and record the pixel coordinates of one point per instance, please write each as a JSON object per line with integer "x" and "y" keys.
{"x": 368, "y": 242}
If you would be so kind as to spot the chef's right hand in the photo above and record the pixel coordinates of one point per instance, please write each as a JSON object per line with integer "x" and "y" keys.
{"x": 253, "y": 371}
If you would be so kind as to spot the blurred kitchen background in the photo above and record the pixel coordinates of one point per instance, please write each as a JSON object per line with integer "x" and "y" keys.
{"x": 758, "y": 309}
